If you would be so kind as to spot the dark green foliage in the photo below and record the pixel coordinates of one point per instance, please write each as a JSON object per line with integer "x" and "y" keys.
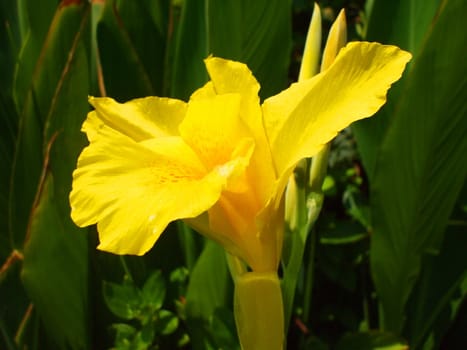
{"x": 144, "y": 306}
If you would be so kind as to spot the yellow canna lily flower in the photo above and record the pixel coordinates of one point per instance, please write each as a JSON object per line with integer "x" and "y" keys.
{"x": 222, "y": 160}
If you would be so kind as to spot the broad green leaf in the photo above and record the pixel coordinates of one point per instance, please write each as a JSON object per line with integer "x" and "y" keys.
{"x": 437, "y": 288}
{"x": 405, "y": 24}
{"x": 55, "y": 272}
{"x": 209, "y": 288}
{"x": 400, "y": 22}
{"x": 132, "y": 40}
{"x": 257, "y": 33}
{"x": 421, "y": 168}
{"x": 34, "y": 20}
{"x": 49, "y": 91}
{"x": 223, "y": 329}
{"x": 191, "y": 47}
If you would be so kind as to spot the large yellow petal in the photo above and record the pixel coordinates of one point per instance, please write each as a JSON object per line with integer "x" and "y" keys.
{"x": 302, "y": 119}
{"x": 133, "y": 190}
{"x": 235, "y": 77}
{"x": 140, "y": 119}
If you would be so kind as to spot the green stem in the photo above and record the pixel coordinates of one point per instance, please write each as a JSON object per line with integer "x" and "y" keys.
{"x": 236, "y": 266}
{"x": 188, "y": 242}
{"x": 315, "y": 199}
{"x": 319, "y": 167}
{"x": 125, "y": 268}
{"x": 21, "y": 331}
{"x": 310, "y": 276}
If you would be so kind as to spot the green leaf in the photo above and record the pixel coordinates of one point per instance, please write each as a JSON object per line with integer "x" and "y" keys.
{"x": 132, "y": 39}
{"x": 224, "y": 330}
{"x": 55, "y": 272}
{"x": 342, "y": 233}
{"x": 9, "y": 47}
{"x": 371, "y": 341}
{"x": 209, "y": 284}
{"x": 167, "y": 322}
{"x": 144, "y": 338}
{"x": 55, "y": 103}
{"x": 15, "y": 303}
{"x": 400, "y": 22}
{"x": 421, "y": 168}
{"x": 153, "y": 292}
{"x": 124, "y": 334}
{"x": 8, "y": 131}
{"x": 209, "y": 288}
{"x": 436, "y": 298}
{"x": 257, "y": 33}
{"x": 7, "y": 338}
{"x": 405, "y": 24}
{"x": 188, "y": 72}
{"x": 123, "y": 300}
{"x": 9, "y": 44}
{"x": 34, "y": 20}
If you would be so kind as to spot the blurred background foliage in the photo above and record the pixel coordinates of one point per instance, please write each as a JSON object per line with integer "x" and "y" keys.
{"x": 385, "y": 265}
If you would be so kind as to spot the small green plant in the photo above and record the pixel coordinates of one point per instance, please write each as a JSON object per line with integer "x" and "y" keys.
{"x": 142, "y": 307}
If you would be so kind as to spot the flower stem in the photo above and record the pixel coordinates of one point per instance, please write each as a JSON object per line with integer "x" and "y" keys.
{"x": 259, "y": 314}
{"x": 310, "y": 277}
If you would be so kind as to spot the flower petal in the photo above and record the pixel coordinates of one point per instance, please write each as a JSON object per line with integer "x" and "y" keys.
{"x": 140, "y": 119}
{"x": 229, "y": 77}
{"x": 235, "y": 77}
{"x": 133, "y": 190}
{"x": 302, "y": 119}
{"x": 213, "y": 129}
